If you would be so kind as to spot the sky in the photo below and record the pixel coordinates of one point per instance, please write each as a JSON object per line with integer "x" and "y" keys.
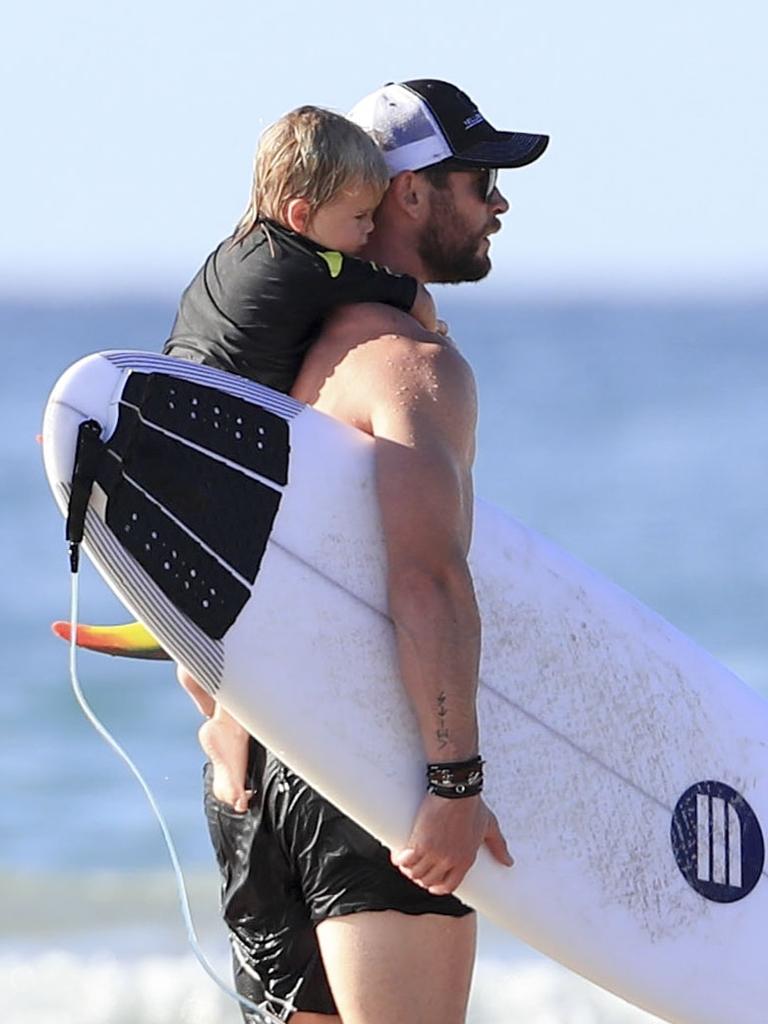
{"x": 129, "y": 130}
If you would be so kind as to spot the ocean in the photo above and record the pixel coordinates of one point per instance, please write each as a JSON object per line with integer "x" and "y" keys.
{"x": 635, "y": 434}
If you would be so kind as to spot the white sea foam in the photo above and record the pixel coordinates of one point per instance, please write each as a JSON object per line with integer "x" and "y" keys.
{"x": 539, "y": 992}
{"x": 58, "y": 987}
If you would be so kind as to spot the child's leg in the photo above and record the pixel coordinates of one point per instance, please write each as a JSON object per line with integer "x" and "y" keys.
{"x": 203, "y": 700}
{"x": 225, "y": 743}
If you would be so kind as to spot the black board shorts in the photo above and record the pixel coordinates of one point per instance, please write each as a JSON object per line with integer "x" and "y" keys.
{"x": 289, "y": 862}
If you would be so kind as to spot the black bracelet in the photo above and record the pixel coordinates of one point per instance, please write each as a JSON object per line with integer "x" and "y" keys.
{"x": 455, "y": 780}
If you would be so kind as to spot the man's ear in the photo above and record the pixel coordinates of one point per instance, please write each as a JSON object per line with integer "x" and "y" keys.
{"x": 409, "y": 190}
{"x": 297, "y": 215}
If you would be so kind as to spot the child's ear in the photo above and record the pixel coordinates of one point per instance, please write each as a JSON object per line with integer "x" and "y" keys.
{"x": 297, "y": 214}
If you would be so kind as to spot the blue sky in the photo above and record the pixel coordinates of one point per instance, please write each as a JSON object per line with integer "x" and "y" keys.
{"x": 129, "y": 129}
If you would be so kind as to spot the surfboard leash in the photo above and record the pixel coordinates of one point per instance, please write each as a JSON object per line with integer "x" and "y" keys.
{"x": 88, "y": 455}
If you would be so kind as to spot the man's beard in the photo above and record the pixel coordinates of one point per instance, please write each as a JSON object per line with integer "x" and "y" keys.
{"x": 448, "y": 252}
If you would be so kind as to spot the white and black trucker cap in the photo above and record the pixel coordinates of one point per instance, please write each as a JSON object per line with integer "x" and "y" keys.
{"x": 425, "y": 121}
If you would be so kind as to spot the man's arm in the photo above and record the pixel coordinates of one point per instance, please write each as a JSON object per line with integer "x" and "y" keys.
{"x": 374, "y": 368}
{"x": 424, "y": 422}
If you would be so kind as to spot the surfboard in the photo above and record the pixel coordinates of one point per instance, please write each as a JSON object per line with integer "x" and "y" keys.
{"x": 628, "y": 769}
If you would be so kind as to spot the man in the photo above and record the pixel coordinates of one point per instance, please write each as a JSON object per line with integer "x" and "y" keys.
{"x": 327, "y": 925}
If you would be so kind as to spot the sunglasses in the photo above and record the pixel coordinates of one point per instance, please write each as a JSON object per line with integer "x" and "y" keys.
{"x": 486, "y": 183}
{"x": 486, "y": 178}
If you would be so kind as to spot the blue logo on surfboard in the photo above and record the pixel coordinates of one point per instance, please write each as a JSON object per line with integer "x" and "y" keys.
{"x": 717, "y": 842}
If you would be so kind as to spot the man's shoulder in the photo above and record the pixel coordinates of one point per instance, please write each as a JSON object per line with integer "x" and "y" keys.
{"x": 377, "y": 352}
{"x": 385, "y": 333}
{"x": 371, "y": 357}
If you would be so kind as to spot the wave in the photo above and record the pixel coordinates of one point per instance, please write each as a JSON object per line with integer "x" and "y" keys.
{"x": 110, "y": 948}
{"x": 61, "y": 987}
{"x": 541, "y": 992}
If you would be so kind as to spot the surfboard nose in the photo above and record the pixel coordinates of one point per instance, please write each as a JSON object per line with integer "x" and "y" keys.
{"x": 89, "y": 389}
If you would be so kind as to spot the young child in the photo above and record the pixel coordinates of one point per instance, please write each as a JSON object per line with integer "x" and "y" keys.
{"x": 262, "y": 295}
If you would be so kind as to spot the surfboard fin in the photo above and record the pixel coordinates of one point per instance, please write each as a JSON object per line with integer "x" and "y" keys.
{"x": 129, "y": 640}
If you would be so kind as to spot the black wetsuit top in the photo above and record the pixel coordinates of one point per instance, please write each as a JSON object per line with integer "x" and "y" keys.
{"x": 256, "y": 305}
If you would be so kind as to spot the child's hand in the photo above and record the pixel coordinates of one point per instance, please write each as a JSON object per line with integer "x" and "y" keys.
{"x": 442, "y": 328}
{"x": 423, "y": 309}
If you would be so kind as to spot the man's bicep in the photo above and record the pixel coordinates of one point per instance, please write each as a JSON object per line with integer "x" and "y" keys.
{"x": 422, "y": 499}
{"x": 423, "y": 464}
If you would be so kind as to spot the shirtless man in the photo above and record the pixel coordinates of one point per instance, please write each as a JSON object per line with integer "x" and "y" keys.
{"x": 386, "y": 956}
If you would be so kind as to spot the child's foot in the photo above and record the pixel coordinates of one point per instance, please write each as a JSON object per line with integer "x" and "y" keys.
{"x": 226, "y": 746}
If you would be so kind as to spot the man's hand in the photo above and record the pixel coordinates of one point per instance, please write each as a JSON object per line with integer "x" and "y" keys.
{"x": 444, "y": 841}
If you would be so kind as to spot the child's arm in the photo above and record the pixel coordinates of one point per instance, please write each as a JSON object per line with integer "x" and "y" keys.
{"x": 350, "y": 279}
{"x": 356, "y": 280}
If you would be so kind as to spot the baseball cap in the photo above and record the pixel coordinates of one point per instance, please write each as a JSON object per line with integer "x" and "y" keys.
{"x": 425, "y": 121}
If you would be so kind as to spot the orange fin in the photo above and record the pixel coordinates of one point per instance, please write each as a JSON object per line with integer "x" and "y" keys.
{"x": 130, "y": 640}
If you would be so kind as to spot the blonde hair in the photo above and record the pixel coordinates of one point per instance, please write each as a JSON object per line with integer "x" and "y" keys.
{"x": 311, "y": 154}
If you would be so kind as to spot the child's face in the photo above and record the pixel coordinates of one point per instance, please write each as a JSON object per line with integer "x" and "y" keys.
{"x": 345, "y": 222}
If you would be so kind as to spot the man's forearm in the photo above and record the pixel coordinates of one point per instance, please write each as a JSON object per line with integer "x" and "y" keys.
{"x": 438, "y": 637}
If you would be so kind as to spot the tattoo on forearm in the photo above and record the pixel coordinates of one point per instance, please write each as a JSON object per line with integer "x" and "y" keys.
{"x": 442, "y": 724}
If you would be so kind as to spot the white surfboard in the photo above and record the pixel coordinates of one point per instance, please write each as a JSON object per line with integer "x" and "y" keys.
{"x": 628, "y": 769}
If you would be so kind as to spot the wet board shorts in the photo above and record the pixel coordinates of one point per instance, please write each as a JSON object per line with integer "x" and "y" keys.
{"x": 289, "y": 862}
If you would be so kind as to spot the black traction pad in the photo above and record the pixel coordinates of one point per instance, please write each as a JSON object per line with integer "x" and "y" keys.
{"x": 231, "y": 427}
{"x": 196, "y": 582}
{"x": 221, "y": 508}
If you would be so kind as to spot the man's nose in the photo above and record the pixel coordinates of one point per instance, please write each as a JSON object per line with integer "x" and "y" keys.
{"x": 498, "y": 202}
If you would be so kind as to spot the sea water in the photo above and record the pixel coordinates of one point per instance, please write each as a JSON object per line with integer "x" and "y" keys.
{"x": 633, "y": 434}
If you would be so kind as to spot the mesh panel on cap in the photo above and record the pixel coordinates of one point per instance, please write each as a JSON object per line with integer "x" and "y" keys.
{"x": 401, "y": 121}
{"x": 403, "y": 128}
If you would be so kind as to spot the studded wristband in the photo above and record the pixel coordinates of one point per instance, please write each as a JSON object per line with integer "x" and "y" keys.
{"x": 455, "y": 780}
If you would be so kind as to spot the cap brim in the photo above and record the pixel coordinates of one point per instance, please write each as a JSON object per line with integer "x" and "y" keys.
{"x": 505, "y": 149}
